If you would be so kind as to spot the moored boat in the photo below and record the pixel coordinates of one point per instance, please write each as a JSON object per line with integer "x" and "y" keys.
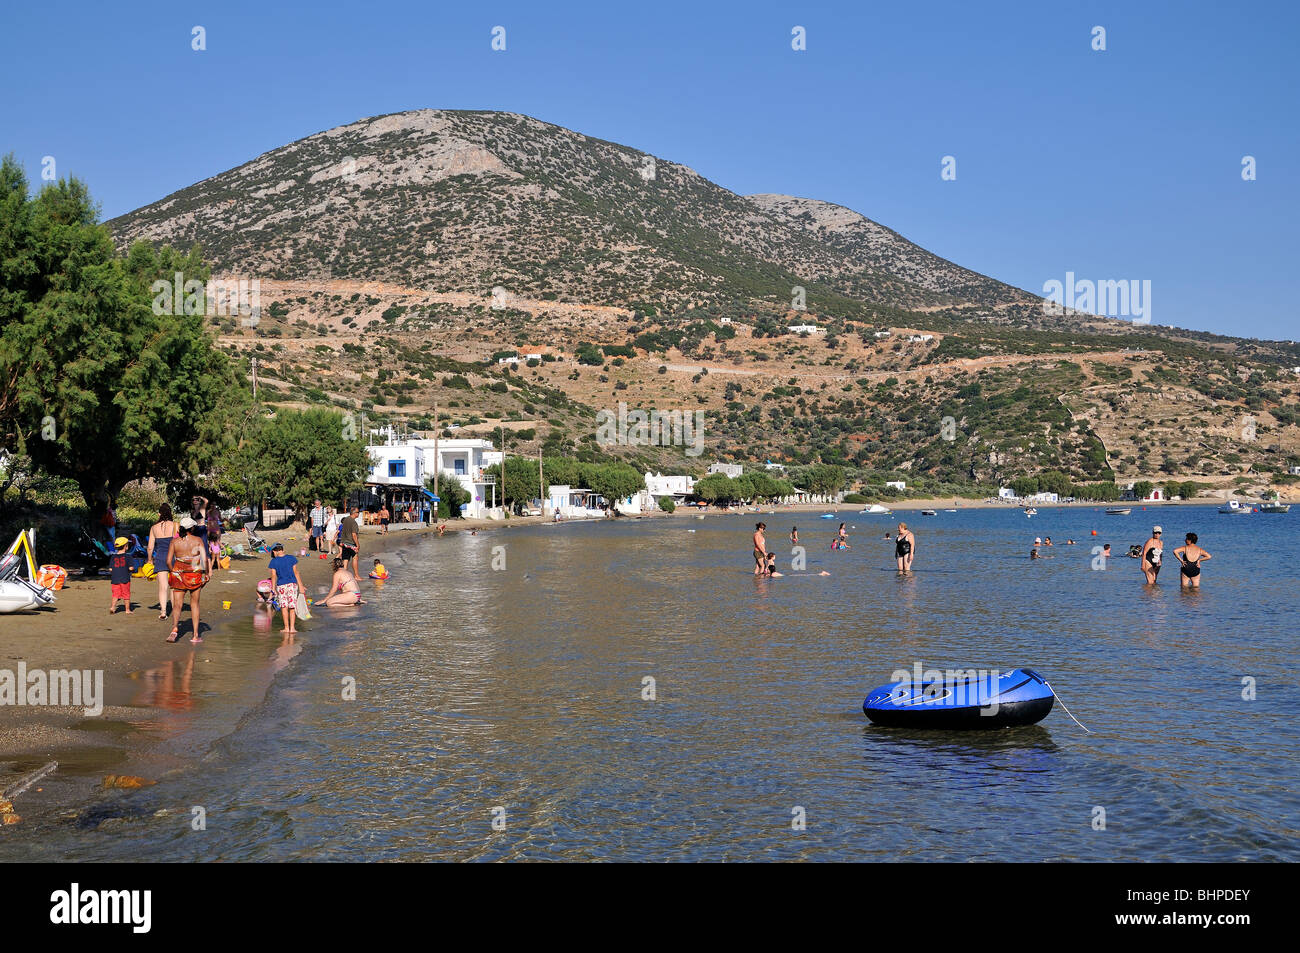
{"x": 1275, "y": 507}
{"x": 981, "y": 700}
{"x": 1234, "y": 507}
{"x": 1119, "y": 511}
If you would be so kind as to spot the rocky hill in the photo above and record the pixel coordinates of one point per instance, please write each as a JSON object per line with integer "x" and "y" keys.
{"x": 379, "y": 245}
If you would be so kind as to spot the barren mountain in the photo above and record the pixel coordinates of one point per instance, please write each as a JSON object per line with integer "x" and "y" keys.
{"x": 379, "y": 245}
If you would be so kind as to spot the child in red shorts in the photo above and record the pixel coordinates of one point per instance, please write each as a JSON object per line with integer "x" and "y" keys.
{"x": 119, "y": 565}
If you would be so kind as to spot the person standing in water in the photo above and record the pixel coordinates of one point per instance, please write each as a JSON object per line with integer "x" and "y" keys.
{"x": 1190, "y": 555}
{"x": 904, "y": 548}
{"x": 1152, "y": 552}
{"x": 794, "y": 535}
{"x": 760, "y": 549}
{"x": 843, "y": 538}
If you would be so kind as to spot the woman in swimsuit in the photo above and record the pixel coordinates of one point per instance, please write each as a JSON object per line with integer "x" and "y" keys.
{"x": 1152, "y": 552}
{"x": 1191, "y": 556}
{"x": 760, "y": 549}
{"x": 843, "y": 538}
{"x": 904, "y": 548}
{"x": 344, "y": 590}
{"x": 188, "y": 570}
{"x": 794, "y": 536}
{"x": 161, "y": 534}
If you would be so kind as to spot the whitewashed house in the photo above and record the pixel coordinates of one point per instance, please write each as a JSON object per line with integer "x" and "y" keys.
{"x": 678, "y": 487}
{"x": 1006, "y": 493}
{"x": 805, "y": 329}
{"x": 899, "y": 485}
{"x": 732, "y": 470}
{"x": 407, "y": 464}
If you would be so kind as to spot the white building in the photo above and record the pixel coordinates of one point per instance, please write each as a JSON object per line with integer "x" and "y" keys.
{"x": 678, "y": 487}
{"x": 920, "y": 338}
{"x": 896, "y": 484}
{"x": 573, "y": 503}
{"x": 400, "y": 466}
{"x": 883, "y": 334}
{"x": 1006, "y": 493}
{"x": 1043, "y": 498}
{"x": 804, "y": 329}
{"x": 732, "y": 470}
{"x": 1294, "y": 471}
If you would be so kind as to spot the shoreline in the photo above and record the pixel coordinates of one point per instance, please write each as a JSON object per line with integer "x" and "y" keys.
{"x": 145, "y": 679}
{"x": 135, "y": 660}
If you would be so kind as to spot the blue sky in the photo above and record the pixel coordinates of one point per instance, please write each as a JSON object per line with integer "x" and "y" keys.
{"x": 1122, "y": 164}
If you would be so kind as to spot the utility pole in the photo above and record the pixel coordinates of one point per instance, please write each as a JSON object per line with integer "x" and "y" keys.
{"x": 541, "y": 489}
{"x": 437, "y": 463}
{"x": 254, "y": 362}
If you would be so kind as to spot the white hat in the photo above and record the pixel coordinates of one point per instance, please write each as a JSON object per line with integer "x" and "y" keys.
{"x": 1038, "y": 539}
{"x": 1156, "y": 529}
{"x": 187, "y": 523}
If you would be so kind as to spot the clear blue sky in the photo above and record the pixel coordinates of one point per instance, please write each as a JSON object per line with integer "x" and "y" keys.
{"x": 1123, "y": 164}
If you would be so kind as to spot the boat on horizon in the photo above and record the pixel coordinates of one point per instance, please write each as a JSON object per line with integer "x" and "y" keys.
{"x": 877, "y": 509}
{"x": 1119, "y": 511}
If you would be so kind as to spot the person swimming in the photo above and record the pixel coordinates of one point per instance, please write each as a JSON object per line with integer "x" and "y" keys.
{"x": 1190, "y": 555}
{"x": 760, "y": 549}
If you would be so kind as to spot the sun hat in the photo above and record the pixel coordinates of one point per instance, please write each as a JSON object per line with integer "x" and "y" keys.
{"x": 1038, "y": 539}
{"x": 121, "y": 541}
{"x": 277, "y": 546}
{"x": 1156, "y": 529}
{"x": 188, "y": 523}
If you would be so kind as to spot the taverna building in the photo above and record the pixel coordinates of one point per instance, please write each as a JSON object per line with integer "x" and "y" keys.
{"x": 402, "y": 468}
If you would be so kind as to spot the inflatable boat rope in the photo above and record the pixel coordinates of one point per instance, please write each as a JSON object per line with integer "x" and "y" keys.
{"x": 1066, "y": 710}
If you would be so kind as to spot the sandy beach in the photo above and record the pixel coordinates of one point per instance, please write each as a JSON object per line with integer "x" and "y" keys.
{"x": 143, "y": 675}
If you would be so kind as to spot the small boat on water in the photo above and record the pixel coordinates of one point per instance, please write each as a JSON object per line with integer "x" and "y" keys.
{"x": 1234, "y": 507}
{"x": 828, "y": 516}
{"x": 1031, "y": 511}
{"x": 877, "y": 509}
{"x": 1275, "y": 507}
{"x": 929, "y": 513}
{"x": 983, "y": 700}
{"x": 950, "y": 511}
{"x": 1119, "y": 511}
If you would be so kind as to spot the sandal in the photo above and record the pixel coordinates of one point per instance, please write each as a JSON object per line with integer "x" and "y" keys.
{"x": 174, "y": 636}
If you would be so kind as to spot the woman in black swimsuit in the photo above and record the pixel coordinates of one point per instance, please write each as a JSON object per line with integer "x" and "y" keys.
{"x": 1191, "y": 556}
{"x": 904, "y": 548}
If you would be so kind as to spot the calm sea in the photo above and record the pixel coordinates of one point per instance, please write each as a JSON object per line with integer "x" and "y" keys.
{"x": 500, "y": 704}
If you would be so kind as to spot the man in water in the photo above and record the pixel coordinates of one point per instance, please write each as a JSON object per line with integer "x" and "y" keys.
{"x": 760, "y": 549}
{"x": 1152, "y": 552}
{"x": 1191, "y": 556}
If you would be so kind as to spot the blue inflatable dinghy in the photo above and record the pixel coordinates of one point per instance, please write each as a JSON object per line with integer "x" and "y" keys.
{"x": 993, "y": 700}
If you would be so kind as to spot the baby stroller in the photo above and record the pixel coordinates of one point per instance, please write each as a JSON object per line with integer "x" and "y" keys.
{"x": 255, "y": 542}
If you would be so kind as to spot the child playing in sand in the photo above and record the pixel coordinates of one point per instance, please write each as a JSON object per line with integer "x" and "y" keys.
{"x": 120, "y": 580}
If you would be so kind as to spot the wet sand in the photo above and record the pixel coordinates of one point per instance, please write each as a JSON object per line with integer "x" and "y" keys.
{"x": 146, "y": 681}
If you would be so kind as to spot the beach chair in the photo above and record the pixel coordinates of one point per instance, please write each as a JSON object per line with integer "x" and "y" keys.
{"x": 255, "y": 542}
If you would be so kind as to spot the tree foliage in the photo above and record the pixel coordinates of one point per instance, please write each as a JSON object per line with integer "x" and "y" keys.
{"x": 94, "y": 385}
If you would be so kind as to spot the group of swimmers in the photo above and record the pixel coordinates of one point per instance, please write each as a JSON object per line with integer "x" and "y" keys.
{"x": 765, "y": 561}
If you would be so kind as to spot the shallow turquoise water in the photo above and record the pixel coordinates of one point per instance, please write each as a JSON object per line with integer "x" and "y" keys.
{"x": 520, "y": 690}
